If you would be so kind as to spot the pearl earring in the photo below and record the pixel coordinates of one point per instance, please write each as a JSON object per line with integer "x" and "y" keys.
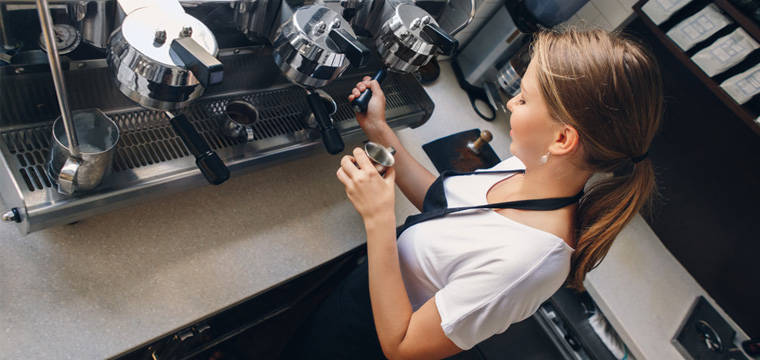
{"x": 544, "y": 158}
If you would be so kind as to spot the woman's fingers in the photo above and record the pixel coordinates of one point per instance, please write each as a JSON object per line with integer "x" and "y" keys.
{"x": 354, "y": 94}
{"x": 362, "y": 160}
{"x": 348, "y": 165}
{"x": 390, "y": 175}
{"x": 343, "y": 177}
{"x": 375, "y": 87}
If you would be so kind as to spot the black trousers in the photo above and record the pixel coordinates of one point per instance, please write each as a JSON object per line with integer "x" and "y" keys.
{"x": 342, "y": 326}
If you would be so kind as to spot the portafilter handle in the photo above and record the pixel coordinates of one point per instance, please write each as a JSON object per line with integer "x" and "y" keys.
{"x": 211, "y": 166}
{"x": 360, "y": 104}
{"x": 330, "y": 134}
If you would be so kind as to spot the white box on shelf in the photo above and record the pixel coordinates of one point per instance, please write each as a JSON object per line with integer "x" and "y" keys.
{"x": 661, "y": 10}
{"x": 742, "y": 87}
{"x": 698, "y": 27}
{"x": 725, "y": 52}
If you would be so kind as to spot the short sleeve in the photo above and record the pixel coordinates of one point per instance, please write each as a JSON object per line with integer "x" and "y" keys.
{"x": 485, "y": 301}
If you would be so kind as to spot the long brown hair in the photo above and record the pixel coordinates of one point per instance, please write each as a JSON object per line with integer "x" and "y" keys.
{"x": 608, "y": 87}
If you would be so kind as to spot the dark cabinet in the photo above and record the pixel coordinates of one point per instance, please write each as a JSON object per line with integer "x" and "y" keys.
{"x": 707, "y": 161}
{"x": 748, "y": 112}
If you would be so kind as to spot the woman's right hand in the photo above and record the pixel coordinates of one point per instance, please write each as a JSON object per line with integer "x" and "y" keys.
{"x": 372, "y": 121}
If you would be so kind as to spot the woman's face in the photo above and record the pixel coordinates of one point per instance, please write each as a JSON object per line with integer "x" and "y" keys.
{"x": 532, "y": 128}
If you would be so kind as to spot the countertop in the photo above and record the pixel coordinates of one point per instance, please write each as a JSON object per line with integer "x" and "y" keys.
{"x": 102, "y": 286}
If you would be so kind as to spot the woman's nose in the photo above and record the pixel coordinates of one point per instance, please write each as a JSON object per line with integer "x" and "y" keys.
{"x": 511, "y": 102}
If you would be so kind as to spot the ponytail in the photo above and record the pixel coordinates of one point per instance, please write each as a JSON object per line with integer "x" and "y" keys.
{"x": 608, "y": 87}
{"x": 608, "y": 206}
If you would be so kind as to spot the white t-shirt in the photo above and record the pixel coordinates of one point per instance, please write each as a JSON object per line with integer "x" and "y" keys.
{"x": 485, "y": 270}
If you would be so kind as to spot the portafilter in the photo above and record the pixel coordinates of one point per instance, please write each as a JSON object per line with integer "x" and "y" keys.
{"x": 163, "y": 58}
{"x": 408, "y": 39}
{"x": 312, "y": 48}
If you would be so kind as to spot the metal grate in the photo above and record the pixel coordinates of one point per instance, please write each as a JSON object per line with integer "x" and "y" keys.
{"x": 29, "y": 147}
{"x": 147, "y": 137}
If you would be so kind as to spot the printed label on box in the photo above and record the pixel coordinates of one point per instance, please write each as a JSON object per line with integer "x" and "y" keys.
{"x": 661, "y": 10}
{"x": 698, "y": 27}
{"x": 725, "y": 52}
{"x": 742, "y": 87}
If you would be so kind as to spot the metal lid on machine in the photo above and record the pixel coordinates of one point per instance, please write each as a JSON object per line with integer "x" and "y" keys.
{"x": 163, "y": 59}
{"x": 308, "y": 46}
{"x": 151, "y": 32}
{"x": 410, "y": 38}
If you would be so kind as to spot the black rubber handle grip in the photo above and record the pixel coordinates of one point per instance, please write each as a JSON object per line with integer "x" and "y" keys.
{"x": 211, "y": 166}
{"x": 330, "y": 134}
{"x": 360, "y": 104}
{"x": 440, "y": 38}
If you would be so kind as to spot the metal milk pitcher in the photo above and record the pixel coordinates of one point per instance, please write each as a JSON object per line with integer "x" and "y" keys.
{"x": 98, "y": 136}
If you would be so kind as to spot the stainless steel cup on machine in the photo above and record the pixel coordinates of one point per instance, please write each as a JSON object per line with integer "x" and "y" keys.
{"x": 407, "y": 37}
{"x": 98, "y": 136}
{"x": 163, "y": 58}
{"x": 239, "y": 120}
{"x": 312, "y": 47}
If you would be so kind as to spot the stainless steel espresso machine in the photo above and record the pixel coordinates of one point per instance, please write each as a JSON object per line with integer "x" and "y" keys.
{"x": 199, "y": 91}
{"x": 406, "y": 36}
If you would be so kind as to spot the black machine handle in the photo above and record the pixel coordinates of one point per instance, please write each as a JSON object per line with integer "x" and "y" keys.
{"x": 440, "y": 38}
{"x": 360, "y": 104}
{"x": 330, "y": 134}
{"x": 356, "y": 52}
{"x": 211, "y": 166}
{"x": 204, "y": 66}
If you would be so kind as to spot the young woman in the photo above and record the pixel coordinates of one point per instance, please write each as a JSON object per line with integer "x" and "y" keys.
{"x": 591, "y": 102}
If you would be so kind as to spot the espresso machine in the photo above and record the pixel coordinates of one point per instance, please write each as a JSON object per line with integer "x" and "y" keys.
{"x": 313, "y": 45}
{"x": 483, "y": 66}
{"x": 199, "y": 91}
{"x": 406, "y": 36}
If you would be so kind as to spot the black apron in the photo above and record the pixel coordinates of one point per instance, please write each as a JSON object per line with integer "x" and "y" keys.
{"x": 435, "y": 204}
{"x": 343, "y": 327}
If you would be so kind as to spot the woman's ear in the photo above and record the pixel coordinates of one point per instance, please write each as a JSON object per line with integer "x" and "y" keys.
{"x": 567, "y": 141}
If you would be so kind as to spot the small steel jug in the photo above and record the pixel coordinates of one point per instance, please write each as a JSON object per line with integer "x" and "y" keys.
{"x": 98, "y": 136}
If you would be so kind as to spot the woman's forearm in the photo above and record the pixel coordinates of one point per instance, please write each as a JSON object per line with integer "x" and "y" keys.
{"x": 390, "y": 304}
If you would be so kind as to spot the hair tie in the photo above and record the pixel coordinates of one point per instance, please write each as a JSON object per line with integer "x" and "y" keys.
{"x": 639, "y": 159}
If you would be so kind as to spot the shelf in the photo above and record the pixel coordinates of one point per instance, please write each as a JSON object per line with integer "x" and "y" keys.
{"x": 743, "y": 112}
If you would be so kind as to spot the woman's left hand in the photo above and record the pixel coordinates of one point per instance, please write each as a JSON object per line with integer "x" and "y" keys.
{"x": 373, "y": 195}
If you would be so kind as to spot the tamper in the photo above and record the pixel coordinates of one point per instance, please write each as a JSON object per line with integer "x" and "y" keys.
{"x": 484, "y": 138}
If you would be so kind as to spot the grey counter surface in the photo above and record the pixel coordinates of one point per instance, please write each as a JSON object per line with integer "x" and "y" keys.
{"x": 115, "y": 281}
{"x": 100, "y": 287}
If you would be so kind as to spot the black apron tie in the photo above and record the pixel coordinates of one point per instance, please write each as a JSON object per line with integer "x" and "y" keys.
{"x": 435, "y": 204}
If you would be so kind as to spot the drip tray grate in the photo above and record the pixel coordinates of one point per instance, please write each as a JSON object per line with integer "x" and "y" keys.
{"x": 147, "y": 138}
{"x": 150, "y": 155}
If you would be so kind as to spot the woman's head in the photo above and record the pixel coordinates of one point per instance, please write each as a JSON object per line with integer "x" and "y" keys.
{"x": 608, "y": 88}
{"x": 604, "y": 85}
